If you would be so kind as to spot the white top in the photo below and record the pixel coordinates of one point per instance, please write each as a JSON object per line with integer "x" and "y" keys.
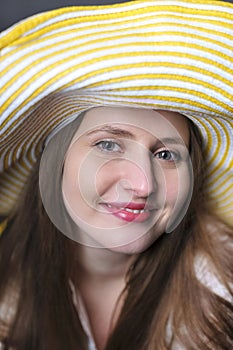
{"x": 204, "y": 272}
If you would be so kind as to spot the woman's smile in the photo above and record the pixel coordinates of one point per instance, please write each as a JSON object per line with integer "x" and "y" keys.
{"x": 137, "y": 212}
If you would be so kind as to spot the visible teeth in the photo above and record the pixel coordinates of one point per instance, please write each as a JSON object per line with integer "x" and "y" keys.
{"x": 133, "y": 210}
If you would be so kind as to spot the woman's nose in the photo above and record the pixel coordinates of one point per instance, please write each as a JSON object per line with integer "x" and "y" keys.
{"x": 138, "y": 175}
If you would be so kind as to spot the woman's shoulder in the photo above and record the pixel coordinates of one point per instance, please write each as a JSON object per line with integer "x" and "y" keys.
{"x": 209, "y": 276}
{"x": 212, "y": 265}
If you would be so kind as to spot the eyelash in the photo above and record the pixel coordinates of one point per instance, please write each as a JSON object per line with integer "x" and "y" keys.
{"x": 174, "y": 156}
{"x": 99, "y": 145}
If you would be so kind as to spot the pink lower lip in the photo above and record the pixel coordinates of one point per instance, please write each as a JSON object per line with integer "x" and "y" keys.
{"x": 128, "y": 216}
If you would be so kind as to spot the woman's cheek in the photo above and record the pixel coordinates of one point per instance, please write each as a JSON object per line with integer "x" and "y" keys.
{"x": 177, "y": 186}
{"x": 108, "y": 180}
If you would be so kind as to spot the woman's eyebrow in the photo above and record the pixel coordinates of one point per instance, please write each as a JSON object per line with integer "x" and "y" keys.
{"x": 172, "y": 141}
{"x": 125, "y": 133}
{"x": 112, "y": 130}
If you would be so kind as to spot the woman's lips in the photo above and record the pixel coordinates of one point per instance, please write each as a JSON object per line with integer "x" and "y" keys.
{"x": 137, "y": 212}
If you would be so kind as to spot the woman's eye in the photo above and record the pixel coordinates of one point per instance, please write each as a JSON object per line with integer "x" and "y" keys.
{"x": 108, "y": 146}
{"x": 167, "y": 156}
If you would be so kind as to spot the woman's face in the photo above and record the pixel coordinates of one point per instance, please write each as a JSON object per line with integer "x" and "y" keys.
{"x": 127, "y": 177}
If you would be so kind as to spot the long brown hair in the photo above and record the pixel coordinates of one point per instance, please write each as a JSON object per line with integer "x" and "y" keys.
{"x": 165, "y": 302}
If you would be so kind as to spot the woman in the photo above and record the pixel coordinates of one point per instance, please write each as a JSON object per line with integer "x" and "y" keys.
{"x": 118, "y": 121}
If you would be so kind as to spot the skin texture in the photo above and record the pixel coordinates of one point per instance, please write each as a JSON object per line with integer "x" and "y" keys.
{"x": 127, "y": 158}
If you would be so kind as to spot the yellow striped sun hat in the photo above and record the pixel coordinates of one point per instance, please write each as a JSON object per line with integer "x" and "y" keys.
{"x": 172, "y": 54}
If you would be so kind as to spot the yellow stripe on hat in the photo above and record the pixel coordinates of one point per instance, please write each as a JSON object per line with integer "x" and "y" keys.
{"x": 68, "y": 44}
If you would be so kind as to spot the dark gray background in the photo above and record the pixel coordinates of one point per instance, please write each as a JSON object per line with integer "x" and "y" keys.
{"x": 12, "y": 11}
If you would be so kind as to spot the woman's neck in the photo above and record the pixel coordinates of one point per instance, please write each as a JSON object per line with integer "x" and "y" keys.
{"x": 100, "y": 280}
{"x": 102, "y": 264}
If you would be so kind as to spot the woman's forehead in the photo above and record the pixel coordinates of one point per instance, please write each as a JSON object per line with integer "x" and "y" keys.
{"x": 157, "y": 123}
